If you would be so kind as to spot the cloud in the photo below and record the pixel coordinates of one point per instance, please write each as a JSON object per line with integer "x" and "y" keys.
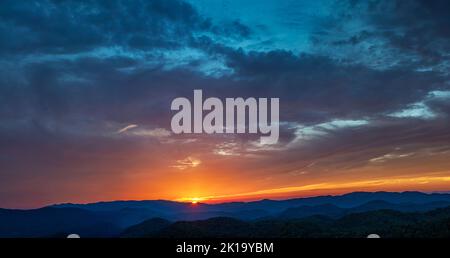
{"x": 419, "y": 110}
{"x": 72, "y": 26}
{"x": 385, "y": 34}
{"x": 424, "y": 108}
{"x": 157, "y": 133}
{"x": 390, "y": 156}
{"x": 186, "y": 163}
{"x": 227, "y": 149}
{"x": 303, "y": 133}
{"x": 126, "y": 128}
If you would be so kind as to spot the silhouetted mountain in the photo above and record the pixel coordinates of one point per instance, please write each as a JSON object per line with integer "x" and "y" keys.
{"x": 407, "y": 207}
{"x": 111, "y": 218}
{"x": 306, "y": 211}
{"x": 138, "y": 211}
{"x": 48, "y": 222}
{"x": 359, "y": 198}
{"x": 386, "y": 223}
{"x": 335, "y": 212}
{"x": 147, "y": 228}
{"x": 214, "y": 227}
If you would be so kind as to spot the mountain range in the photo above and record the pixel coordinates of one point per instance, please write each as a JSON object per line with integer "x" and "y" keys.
{"x": 284, "y": 218}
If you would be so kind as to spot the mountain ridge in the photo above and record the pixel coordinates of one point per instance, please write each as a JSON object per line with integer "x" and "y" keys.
{"x": 112, "y": 218}
{"x": 386, "y": 223}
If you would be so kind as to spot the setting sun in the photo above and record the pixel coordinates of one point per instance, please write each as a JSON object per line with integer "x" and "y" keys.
{"x": 192, "y": 200}
{"x": 195, "y": 200}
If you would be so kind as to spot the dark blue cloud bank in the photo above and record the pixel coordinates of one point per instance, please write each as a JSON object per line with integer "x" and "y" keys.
{"x": 358, "y": 82}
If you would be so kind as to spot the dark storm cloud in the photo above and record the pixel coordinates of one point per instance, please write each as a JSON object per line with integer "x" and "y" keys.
{"x": 317, "y": 88}
{"x": 416, "y": 32}
{"x": 313, "y": 88}
{"x": 71, "y": 26}
{"x": 424, "y": 26}
{"x": 52, "y": 66}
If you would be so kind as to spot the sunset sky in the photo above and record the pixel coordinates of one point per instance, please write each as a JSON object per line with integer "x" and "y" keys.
{"x": 86, "y": 87}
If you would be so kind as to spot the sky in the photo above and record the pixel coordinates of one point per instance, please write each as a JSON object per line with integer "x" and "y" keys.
{"x": 86, "y": 87}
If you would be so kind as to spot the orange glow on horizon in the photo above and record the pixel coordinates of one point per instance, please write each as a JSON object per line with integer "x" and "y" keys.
{"x": 422, "y": 183}
{"x": 204, "y": 186}
{"x": 193, "y": 200}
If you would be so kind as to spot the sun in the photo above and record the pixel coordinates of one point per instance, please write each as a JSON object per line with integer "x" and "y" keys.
{"x": 195, "y": 200}
{"x": 192, "y": 200}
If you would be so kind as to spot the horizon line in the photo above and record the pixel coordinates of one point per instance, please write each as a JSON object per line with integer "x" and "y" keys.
{"x": 226, "y": 202}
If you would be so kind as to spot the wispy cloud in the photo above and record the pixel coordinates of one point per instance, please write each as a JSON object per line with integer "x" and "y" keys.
{"x": 155, "y": 132}
{"x": 186, "y": 163}
{"x": 126, "y": 128}
{"x": 391, "y": 156}
{"x": 422, "y": 109}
